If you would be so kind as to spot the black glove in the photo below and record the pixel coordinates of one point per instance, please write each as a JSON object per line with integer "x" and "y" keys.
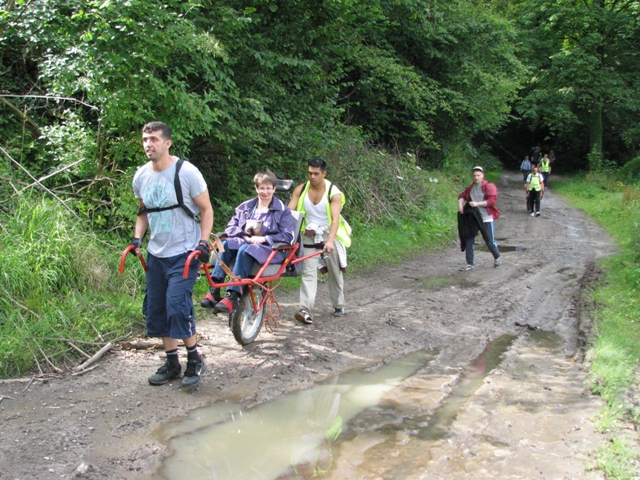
{"x": 136, "y": 242}
{"x": 205, "y": 248}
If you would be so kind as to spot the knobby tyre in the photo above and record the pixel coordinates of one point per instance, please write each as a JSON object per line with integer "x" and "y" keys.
{"x": 245, "y": 323}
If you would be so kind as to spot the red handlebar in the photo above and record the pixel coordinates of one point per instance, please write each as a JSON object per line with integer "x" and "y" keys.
{"x": 187, "y": 264}
{"x": 126, "y": 252}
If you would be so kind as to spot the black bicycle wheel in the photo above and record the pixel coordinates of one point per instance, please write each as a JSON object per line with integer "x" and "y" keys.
{"x": 245, "y": 323}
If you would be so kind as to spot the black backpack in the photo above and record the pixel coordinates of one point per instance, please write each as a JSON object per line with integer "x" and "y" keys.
{"x": 179, "y": 197}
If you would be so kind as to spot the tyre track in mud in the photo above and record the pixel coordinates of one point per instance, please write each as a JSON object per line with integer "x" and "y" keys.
{"x": 531, "y": 416}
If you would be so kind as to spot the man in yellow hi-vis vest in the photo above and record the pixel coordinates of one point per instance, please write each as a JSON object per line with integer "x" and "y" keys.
{"x": 535, "y": 189}
{"x": 545, "y": 168}
{"x": 323, "y": 227}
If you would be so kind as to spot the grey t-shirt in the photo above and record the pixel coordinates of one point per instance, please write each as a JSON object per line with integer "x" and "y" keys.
{"x": 173, "y": 232}
{"x": 477, "y": 195}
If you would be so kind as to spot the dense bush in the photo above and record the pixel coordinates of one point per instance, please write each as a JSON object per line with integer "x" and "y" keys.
{"x": 630, "y": 172}
{"x": 245, "y": 86}
{"x": 59, "y": 285}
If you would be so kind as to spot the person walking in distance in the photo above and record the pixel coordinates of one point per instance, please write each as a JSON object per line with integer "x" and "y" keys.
{"x": 323, "y": 227}
{"x": 477, "y": 211}
{"x": 525, "y": 168}
{"x": 535, "y": 190}
{"x": 171, "y": 193}
{"x": 545, "y": 169}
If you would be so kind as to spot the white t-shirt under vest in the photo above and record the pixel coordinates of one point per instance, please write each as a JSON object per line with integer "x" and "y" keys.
{"x": 316, "y": 213}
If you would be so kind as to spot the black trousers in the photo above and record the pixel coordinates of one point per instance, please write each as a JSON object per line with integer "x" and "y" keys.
{"x": 533, "y": 201}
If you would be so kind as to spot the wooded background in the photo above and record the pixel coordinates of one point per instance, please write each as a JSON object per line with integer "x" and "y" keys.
{"x": 249, "y": 85}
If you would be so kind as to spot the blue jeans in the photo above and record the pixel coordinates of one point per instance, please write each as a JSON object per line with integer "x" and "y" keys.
{"x": 242, "y": 267}
{"x": 491, "y": 244}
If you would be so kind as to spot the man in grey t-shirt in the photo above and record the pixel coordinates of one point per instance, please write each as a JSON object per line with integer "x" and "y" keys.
{"x": 174, "y": 234}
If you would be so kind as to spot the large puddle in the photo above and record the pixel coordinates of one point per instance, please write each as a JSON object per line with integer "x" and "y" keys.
{"x": 305, "y": 434}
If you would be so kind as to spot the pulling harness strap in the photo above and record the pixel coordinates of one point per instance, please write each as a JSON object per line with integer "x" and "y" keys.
{"x": 178, "y": 188}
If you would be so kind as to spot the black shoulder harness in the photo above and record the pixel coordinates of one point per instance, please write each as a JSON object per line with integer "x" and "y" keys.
{"x": 179, "y": 197}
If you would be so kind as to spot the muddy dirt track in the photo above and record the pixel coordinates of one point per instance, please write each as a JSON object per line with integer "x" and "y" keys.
{"x": 528, "y": 418}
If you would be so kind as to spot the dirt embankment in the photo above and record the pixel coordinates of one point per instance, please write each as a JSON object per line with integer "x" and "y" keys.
{"x": 529, "y": 419}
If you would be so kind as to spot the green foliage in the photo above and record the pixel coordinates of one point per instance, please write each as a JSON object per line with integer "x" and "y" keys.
{"x": 380, "y": 186}
{"x": 245, "y": 85}
{"x": 58, "y": 285}
{"x": 129, "y": 62}
{"x": 583, "y": 80}
{"x": 615, "y": 353}
{"x": 430, "y": 70}
{"x": 630, "y": 172}
{"x": 618, "y": 458}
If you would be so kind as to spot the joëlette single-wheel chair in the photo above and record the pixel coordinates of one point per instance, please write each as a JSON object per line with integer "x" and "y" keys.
{"x": 258, "y": 304}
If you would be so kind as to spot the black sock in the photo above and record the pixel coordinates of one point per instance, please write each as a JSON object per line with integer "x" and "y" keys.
{"x": 172, "y": 357}
{"x": 192, "y": 353}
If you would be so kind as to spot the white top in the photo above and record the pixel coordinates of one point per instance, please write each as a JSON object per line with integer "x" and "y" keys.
{"x": 316, "y": 214}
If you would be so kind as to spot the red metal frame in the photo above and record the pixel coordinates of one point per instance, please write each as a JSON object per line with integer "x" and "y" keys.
{"x": 130, "y": 250}
{"x": 258, "y": 280}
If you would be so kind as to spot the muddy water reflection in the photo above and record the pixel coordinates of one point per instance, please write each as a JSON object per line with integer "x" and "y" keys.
{"x": 294, "y": 434}
{"x": 469, "y": 382}
{"x": 393, "y": 441}
{"x": 340, "y": 429}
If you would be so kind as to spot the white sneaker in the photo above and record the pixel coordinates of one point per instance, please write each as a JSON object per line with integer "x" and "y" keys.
{"x": 466, "y": 267}
{"x": 497, "y": 262}
{"x": 533, "y": 214}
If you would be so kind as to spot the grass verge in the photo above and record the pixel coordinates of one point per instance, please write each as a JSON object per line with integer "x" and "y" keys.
{"x": 59, "y": 290}
{"x": 614, "y": 353}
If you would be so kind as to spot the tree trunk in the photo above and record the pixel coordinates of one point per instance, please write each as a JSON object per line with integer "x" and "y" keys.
{"x": 595, "y": 137}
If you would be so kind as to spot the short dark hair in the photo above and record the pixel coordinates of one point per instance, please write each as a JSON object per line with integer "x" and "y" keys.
{"x": 318, "y": 162}
{"x": 155, "y": 126}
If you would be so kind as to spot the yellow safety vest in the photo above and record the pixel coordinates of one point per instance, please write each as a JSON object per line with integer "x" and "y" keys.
{"x": 535, "y": 181}
{"x": 344, "y": 229}
{"x": 546, "y": 166}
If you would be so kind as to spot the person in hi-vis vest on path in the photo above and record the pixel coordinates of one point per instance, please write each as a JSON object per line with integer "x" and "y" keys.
{"x": 535, "y": 190}
{"x": 323, "y": 227}
{"x": 545, "y": 168}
